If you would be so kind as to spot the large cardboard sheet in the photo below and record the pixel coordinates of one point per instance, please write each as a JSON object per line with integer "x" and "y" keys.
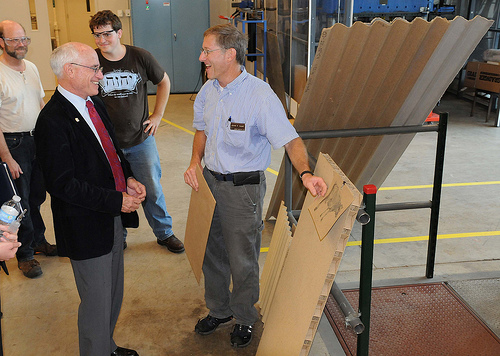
{"x": 280, "y": 242}
{"x": 377, "y": 75}
{"x": 201, "y": 211}
{"x": 308, "y": 271}
{"x": 274, "y": 71}
{"x": 326, "y": 211}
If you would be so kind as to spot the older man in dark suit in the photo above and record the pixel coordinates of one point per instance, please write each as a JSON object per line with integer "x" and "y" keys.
{"x": 93, "y": 193}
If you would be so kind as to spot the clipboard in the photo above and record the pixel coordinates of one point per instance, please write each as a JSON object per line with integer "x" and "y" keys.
{"x": 7, "y": 191}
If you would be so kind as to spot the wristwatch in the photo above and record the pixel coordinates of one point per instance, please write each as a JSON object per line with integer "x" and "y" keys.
{"x": 305, "y": 172}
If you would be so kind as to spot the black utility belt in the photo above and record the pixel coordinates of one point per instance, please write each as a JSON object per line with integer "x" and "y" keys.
{"x": 19, "y": 134}
{"x": 238, "y": 178}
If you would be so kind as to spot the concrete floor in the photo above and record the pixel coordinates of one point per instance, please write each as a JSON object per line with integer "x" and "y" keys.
{"x": 163, "y": 301}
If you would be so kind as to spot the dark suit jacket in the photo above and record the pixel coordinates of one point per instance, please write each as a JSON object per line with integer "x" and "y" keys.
{"x": 79, "y": 179}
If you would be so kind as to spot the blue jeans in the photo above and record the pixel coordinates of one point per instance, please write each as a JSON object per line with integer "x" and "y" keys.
{"x": 145, "y": 163}
{"x": 31, "y": 189}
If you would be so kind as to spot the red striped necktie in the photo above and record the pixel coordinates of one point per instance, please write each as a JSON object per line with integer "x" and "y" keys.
{"x": 109, "y": 148}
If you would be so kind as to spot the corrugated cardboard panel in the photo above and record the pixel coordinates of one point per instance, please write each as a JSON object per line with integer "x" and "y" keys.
{"x": 398, "y": 76}
{"x": 327, "y": 57}
{"x": 274, "y": 71}
{"x": 308, "y": 273}
{"x": 201, "y": 211}
{"x": 280, "y": 242}
{"x": 425, "y": 40}
{"x": 386, "y": 99}
{"x": 378, "y": 88}
{"x": 403, "y": 40}
{"x": 422, "y": 98}
{"x": 450, "y": 55}
{"x": 356, "y": 64}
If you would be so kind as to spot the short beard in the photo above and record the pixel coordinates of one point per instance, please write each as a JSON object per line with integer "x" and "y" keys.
{"x": 14, "y": 55}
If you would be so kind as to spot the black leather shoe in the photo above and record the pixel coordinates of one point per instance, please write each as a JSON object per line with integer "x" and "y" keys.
{"x": 241, "y": 335}
{"x": 121, "y": 351}
{"x": 208, "y": 324}
{"x": 172, "y": 243}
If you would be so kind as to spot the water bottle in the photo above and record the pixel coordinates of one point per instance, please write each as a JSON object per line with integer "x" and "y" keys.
{"x": 9, "y": 212}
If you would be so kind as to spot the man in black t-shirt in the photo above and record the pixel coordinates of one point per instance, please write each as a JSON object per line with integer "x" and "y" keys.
{"x": 126, "y": 70}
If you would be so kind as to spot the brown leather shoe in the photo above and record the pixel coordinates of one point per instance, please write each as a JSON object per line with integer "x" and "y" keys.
{"x": 172, "y": 243}
{"x": 121, "y": 351}
{"x": 47, "y": 249}
{"x": 31, "y": 268}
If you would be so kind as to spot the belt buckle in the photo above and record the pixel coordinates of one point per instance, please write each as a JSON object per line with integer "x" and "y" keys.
{"x": 31, "y": 132}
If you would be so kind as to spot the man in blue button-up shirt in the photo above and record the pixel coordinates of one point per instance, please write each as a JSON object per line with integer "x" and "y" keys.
{"x": 237, "y": 118}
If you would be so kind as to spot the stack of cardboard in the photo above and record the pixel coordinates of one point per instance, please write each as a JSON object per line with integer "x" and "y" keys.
{"x": 483, "y": 76}
{"x": 377, "y": 75}
{"x": 271, "y": 272}
{"x": 299, "y": 272}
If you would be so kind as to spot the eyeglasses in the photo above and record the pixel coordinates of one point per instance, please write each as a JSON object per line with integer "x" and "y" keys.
{"x": 105, "y": 34}
{"x": 94, "y": 68}
{"x": 17, "y": 41}
{"x": 207, "y": 52}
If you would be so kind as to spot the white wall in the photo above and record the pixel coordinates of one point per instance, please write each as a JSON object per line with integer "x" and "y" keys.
{"x": 40, "y": 47}
{"x": 220, "y": 7}
{"x": 115, "y": 5}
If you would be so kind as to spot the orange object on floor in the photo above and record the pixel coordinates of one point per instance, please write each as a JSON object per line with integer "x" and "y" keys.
{"x": 433, "y": 117}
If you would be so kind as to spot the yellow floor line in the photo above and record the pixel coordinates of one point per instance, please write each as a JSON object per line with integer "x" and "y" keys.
{"x": 272, "y": 171}
{"x": 419, "y": 238}
{"x": 425, "y": 238}
{"x": 444, "y": 185}
{"x": 179, "y": 127}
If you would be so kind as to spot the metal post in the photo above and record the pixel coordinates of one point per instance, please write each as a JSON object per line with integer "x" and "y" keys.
{"x": 348, "y": 13}
{"x": 264, "y": 57}
{"x": 436, "y": 195}
{"x": 365, "y": 279}
{"x": 351, "y": 317}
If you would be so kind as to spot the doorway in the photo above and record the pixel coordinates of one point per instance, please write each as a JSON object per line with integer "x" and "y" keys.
{"x": 172, "y": 30}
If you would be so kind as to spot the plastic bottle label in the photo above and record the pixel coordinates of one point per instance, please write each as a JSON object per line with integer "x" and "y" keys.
{"x": 8, "y": 214}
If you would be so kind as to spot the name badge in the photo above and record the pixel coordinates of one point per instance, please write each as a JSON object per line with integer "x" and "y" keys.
{"x": 236, "y": 126}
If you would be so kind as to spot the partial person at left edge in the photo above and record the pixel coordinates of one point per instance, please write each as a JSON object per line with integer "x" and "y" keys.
{"x": 21, "y": 98}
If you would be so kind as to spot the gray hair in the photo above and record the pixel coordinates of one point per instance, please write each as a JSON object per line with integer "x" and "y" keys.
{"x": 228, "y": 36}
{"x": 67, "y": 53}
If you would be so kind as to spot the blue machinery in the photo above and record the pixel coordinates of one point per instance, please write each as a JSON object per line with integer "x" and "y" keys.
{"x": 259, "y": 14}
{"x": 378, "y": 7}
{"x": 361, "y": 322}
